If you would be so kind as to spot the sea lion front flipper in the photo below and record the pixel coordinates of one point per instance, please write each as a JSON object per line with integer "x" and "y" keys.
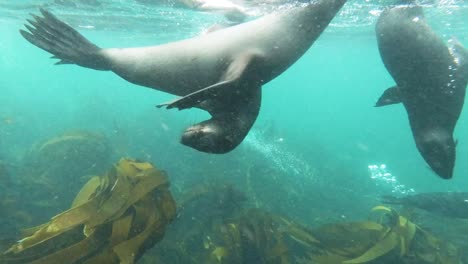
{"x": 459, "y": 54}
{"x": 391, "y": 96}
{"x": 198, "y": 97}
{"x": 229, "y": 83}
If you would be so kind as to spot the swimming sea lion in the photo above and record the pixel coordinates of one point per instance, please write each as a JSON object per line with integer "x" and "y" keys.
{"x": 233, "y": 12}
{"x": 448, "y": 204}
{"x": 431, "y": 82}
{"x": 221, "y": 72}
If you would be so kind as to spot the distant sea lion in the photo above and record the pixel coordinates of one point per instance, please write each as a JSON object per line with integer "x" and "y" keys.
{"x": 431, "y": 82}
{"x": 231, "y": 11}
{"x": 220, "y": 72}
{"x": 448, "y": 204}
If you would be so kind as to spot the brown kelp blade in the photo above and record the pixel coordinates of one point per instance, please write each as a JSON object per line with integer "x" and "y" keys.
{"x": 114, "y": 219}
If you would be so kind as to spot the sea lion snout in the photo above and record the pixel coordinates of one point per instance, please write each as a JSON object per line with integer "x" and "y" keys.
{"x": 209, "y": 136}
{"x": 441, "y": 159}
{"x": 439, "y": 153}
{"x": 228, "y": 126}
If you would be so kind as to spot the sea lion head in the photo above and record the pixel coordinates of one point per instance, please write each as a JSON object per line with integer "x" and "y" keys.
{"x": 216, "y": 135}
{"x": 232, "y": 118}
{"x": 438, "y": 149}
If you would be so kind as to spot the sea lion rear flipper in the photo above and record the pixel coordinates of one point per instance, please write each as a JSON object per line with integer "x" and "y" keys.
{"x": 65, "y": 43}
{"x": 229, "y": 83}
{"x": 391, "y": 96}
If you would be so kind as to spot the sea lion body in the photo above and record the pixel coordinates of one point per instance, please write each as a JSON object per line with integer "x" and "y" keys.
{"x": 448, "y": 204}
{"x": 431, "y": 82}
{"x": 189, "y": 65}
{"x": 221, "y": 72}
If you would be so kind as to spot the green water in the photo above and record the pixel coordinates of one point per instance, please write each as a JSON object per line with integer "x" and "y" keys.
{"x": 317, "y": 129}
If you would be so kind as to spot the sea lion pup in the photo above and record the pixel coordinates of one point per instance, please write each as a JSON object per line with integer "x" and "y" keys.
{"x": 221, "y": 72}
{"x": 430, "y": 81}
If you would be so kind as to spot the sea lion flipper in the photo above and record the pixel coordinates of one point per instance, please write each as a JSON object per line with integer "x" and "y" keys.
{"x": 231, "y": 78}
{"x": 229, "y": 125}
{"x": 459, "y": 54}
{"x": 65, "y": 43}
{"x": 197, "y": 97}
{"x": 391, "y": 96}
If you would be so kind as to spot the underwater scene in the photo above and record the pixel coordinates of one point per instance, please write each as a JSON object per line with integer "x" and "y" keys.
{"x": 233, "y": 131}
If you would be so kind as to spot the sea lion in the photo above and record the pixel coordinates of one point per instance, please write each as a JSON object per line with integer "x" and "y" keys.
{"x": 430, "y": 81}
{"x": 448, "y": 204}
{"x": 233, "y": 12}
{"x": 221, "y": 72}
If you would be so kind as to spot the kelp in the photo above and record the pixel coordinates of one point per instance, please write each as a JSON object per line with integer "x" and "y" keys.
{"x": 201, "y": 208}
{"x": 218, "y": 201}
{"x": 391, "y": 238}
{"x": 78, "y": 153}
{"x": 256, "y": 236}
{"x": 113, "y": 219}
{"x": 53, "y": 170}
{"x": 247, "y": 238}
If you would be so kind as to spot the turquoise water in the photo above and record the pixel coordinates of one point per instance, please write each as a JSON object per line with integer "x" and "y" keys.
{"x": 317, "y": 131}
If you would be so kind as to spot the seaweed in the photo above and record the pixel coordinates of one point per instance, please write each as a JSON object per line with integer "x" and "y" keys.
{"x": 391, "y": 238}
{"x": 113, "y": 219}
{"x": 53, "y": 170}
{"x": 256, "y": 236}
